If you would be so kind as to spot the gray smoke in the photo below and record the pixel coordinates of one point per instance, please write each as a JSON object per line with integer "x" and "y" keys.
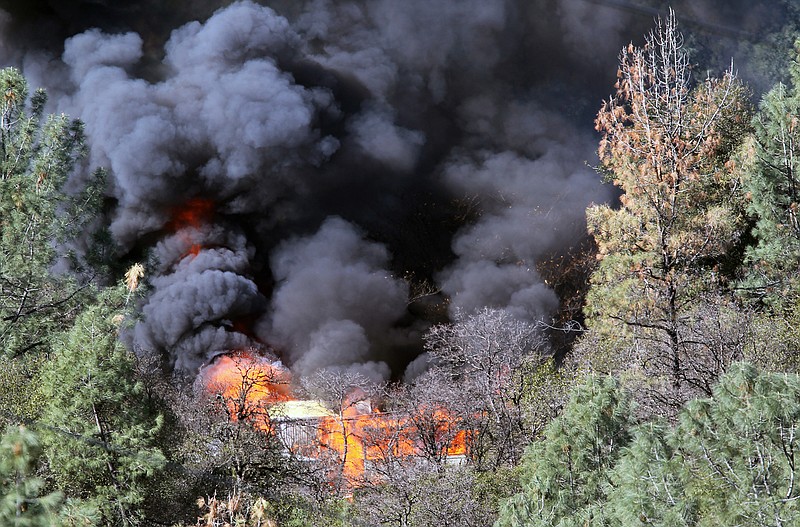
{"x": 532, "y": 199}
{"x": 335, "y": 304}
{"x": 225, "y": 122}
{"x": 345, "y": 153}
{"x": 197, "y": 299}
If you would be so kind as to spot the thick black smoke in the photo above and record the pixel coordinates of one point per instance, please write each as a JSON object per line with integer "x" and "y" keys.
{"x": 335, "y": 157}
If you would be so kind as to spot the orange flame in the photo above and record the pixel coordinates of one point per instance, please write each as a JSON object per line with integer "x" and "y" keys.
{"x": 191, "y": 216}
{"x": 249, "y": 385}
{"x": 355, "y": 437}
{"x": 194, "y": 213}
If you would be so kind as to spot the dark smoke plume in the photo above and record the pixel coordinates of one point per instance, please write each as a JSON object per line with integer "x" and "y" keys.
{"x": 297, "y": 170}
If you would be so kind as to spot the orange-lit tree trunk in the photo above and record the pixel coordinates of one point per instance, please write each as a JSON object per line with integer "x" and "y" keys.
{"x": 241, "y": 386}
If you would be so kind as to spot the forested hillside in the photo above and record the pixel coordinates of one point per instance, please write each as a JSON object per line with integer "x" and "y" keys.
{"x": 365, "y": 264}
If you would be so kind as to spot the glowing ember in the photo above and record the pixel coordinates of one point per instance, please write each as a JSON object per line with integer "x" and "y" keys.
{"x": 193, "y": 213}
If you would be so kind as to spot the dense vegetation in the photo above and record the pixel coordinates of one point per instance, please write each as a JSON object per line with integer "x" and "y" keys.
{"x": 678, "y": 404}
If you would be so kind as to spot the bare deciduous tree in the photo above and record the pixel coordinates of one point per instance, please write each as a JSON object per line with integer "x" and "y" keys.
{"x": 487, "y": 357}
{"x": 421, "y": 495}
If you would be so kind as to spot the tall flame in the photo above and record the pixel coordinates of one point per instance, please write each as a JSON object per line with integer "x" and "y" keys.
{"x": 364, "y": 439}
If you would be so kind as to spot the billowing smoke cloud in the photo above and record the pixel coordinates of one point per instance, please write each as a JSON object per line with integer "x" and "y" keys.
{"x": 197, "y": 299}
{"x": 335, "y": 303}
{"x": 298, "y": 171}
{"x": 225, "y": 123}
{"x": 531, "y": 200}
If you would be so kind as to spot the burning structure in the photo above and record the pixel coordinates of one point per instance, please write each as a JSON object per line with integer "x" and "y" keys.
{"x": 351, "y": 436}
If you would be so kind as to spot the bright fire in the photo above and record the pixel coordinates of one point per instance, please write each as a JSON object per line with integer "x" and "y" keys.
{"x": 356, "y": 436}
{"x": 190, "y": 217}
{"x": 248, "y": 384}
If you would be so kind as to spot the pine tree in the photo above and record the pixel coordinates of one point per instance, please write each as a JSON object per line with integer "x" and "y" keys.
{"x": 104, "y": 450}
{"x": 774, "y": 191}
{"x": 740, "y": 446}
{"x": 647, "y": 486}
{"x": 676, "y": 234}
{"x": 37, "y": 154}
{"x": 564, "y": 476}
{"x": 22, "y": 502}
{"x": 728, "y": 459}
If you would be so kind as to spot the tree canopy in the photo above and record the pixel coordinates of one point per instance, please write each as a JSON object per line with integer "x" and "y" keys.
{"x": 101, "y": 437}
{"x": 37, "y": 153}
{"x": 728, "y": 460}
{"x": 773, "y": 184}
{"x": 672, "y": 242}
